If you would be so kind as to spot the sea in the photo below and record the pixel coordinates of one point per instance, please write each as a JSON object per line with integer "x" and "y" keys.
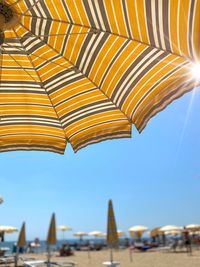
{"x": 11, "y": 245}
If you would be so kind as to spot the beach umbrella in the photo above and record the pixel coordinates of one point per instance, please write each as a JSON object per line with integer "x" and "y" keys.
{"x": 22, "y": 237}
{"x": 21, "y": 243}
{"x": 171, "y": 228}
{"x": 155, "y": 232}
{"x": 7, "y": 229}
{"x": 80, "y": 234}
{"x": 95, "y": 233}
{"x": 137, "y": 230}
{"x": 1, "y": 200}
{"x": 193, "y": 227}
{"x": 85, "y": 71}
{"x": 51, "y": 237}
{"x": 112, "y": 236}
{"x": 63, "y": 228}
{"x": 120, "y": 233}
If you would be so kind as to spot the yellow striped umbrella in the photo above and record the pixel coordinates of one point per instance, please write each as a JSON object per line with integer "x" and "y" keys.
{"x": 85, "y": 71}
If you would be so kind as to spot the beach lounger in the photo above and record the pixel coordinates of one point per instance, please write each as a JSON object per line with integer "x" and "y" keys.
{"x": 5, "y": 261}
{"x": 38, "y": 263}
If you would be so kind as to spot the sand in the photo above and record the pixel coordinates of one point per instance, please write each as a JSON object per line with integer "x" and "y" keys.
{"x": 140, "y": 259}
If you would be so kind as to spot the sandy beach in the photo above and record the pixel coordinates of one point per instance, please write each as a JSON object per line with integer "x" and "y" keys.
{"x": 140, "y": 259}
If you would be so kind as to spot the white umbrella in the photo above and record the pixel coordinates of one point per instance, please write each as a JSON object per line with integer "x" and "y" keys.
{"x": 7, "y": 229}
{"x": 138, "y": 230}
{"x": 95, "y": 233}
{"x": 63, "y": 228}
{"x": 193, "y": 227}
{"x": 120, "y": 233}
{"x": 171, "y": 228}
{"x": 80, "y": 234}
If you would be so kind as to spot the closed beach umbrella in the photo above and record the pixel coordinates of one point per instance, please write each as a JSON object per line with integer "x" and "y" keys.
{"x": 22, "y": 237}
{"x": 85, "y": 71}
{"x": 21, "y": 243}
{"x": 112, "y": 236}
{"x": 51, "y": 237}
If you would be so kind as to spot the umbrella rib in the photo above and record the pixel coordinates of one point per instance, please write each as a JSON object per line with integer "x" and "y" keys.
{"x": 47, "y": 60}
{"x": 16, "y": 61}
{"x": 129, "y": 120}
{"x": 42, "y": 85}
{"x": 100, "y": 30}
{"x": 57, "y": 34}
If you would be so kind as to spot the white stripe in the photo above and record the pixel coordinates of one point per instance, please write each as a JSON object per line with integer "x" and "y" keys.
{"x": 160, "y": 16}
{"x": 154, "y": 25}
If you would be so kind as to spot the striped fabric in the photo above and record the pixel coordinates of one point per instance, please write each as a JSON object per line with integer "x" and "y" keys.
{"x": 84, "y": 71}
{"x": 112, "y": 236}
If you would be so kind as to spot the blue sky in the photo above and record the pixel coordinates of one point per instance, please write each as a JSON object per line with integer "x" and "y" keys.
{"x": 153, "y": 178}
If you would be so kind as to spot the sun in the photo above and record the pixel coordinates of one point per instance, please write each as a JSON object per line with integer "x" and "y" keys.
{"x": 196, "y": 71}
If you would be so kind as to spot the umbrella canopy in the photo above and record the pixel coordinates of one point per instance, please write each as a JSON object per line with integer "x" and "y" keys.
{"x": 112, "y": 236}
{"x": 80, "y": 234}
{"x": 8, "y": 229}
{"x": 193, "y": 227}
{"x": 155, "y": 232}
{"x": 171, "y": 228}
{"x": 22, "y": 237}
{"x": 137, "y": 230}
{"x": 64, "y": 228}
{"x": 85, "y": 71}
{"x": 95, "y": 233}
{"x": 120, "y": 233}
{"x": 51, "y": 237}
{"x": 1, "y": 200}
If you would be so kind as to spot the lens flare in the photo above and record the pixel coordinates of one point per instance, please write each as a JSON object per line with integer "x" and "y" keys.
{"x": 196, "y": 71}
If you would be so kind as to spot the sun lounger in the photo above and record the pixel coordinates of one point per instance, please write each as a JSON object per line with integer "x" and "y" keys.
{"x": 5, "y": 261}
{"x": 38, "y": 263}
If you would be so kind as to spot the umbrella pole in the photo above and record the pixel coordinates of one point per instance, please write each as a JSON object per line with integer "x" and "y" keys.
{"x": 111, "y": 254}
{"x": 48, "y": 256}
{"x": 130, "y": 254}
{"x": 16, "y": 258}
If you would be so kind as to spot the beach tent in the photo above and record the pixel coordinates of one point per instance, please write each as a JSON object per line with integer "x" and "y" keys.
{"x": 85, "y": 71}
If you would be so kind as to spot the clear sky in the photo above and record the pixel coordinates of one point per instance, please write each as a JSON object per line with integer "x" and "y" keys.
{"x": 153, "y": 178}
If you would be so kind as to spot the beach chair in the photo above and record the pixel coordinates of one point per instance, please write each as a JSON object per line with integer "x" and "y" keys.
{"x": 7, "y": 260}
{"x": 42, "y": 263}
